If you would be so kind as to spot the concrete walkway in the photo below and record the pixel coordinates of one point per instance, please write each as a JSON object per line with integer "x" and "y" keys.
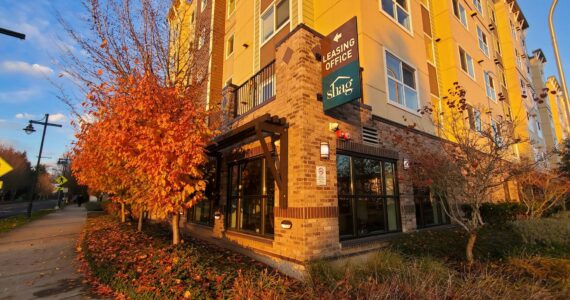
{"x": 37, "y": 260}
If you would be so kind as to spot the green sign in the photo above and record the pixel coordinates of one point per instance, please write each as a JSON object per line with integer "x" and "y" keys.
{"x": 340, "y": 66}
{"x": 342, "y": 86}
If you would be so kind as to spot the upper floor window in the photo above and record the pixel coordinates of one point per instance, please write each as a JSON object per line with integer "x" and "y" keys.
{"x": 478, "y": 6}
{"x": 483, "y": 43}
{"x": 474, "y": 117}
{"x": 402, "y": 87}
{"x": 230, "y": 46}
{"x": 203, "y": 5}
{"x": 231, "y": 7}
{"x": 459, "y": 12}
{"x": 398, "y": 10}
{"x": 467, "y": 63}
{"x": 518, "y": 58}
{"x": 202, "y": 39}
{"x": 276, "y": 16}
{"x": 490, "y": 85}
{"x": 513, "y": 31}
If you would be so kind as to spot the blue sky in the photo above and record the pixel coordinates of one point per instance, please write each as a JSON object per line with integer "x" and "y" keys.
{"x": 26, "y": 93}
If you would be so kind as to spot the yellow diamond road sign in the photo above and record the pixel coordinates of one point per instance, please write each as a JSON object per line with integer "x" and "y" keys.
{"x": 4, "y": 167}
{"x": 61, "y": 180}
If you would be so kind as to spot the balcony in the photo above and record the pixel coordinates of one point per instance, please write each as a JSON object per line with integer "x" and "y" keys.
{"x": 259, "y": 89}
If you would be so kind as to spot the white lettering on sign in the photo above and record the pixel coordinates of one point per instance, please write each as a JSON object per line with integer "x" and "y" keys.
{"x": 341, "y": 86}
{"x": 339, "y": 54}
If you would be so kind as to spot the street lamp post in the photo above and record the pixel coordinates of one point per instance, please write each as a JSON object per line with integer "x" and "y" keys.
{"x": 29, "y": 130}
{"x": 556, "y": 50}
{"x": 12, "y": 33}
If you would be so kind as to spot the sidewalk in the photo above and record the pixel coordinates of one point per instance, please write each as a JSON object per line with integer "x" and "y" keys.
{"x": 38, "y": 260}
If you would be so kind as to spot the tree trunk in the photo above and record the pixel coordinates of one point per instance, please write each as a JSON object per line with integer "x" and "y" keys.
{"x": 175, "y": 229}
{"x": 469, "y": 248}
{"x": 122, "y": 212}
{"x": 139, "y": 228}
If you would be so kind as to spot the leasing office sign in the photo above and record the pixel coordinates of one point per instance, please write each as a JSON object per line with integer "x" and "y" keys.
{"x": 341, "y": 66}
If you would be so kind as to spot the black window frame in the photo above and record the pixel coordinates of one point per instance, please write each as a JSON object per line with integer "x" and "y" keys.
{"x": 353, "y": 198}
{"x": 421, "y": 221}
{"x": 212, "y": 197}
{"x": 239, "y": 198}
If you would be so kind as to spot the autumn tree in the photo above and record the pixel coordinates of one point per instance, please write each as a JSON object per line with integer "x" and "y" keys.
{"x": 541, "y": 191}
{"x": 472, "y": 159}
{"x": 145, "y": 83}
{"x": 19, "y": 181}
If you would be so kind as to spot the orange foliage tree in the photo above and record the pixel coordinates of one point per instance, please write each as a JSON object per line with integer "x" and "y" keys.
{"x": 144, "y": 140}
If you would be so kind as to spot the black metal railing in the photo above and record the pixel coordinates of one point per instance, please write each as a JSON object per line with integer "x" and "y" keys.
{"x": 257, "y": 90}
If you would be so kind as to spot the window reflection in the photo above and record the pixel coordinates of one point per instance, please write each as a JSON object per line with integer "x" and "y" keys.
{"x": 367, "y": 196}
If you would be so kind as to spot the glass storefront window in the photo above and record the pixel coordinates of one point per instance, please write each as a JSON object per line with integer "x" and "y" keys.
{"x": 202, "y": 212}
{"x": 429, "y": 211}
{"x": 367, "y": 196}
{"x": 251, "y": 201}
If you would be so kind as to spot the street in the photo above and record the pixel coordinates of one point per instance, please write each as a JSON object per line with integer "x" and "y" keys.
{"x": 16, "y": 208}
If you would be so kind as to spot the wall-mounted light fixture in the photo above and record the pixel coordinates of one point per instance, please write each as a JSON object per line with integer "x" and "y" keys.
{"x": 325, "y": 150}
{"x": 217, "y": 215}
{"x": 286, "y": 224}
{"x": 406, "y": 164}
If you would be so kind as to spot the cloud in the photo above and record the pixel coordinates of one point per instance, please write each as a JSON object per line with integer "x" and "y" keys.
{"x": 59, "y": 117}
{"x": 24, "y": 116}
{"x": 17, "y": 96}
{"x": 25, "y": 68}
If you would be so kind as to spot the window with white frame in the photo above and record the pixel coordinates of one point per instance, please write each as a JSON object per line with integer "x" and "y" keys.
{"x": 231, "y": 7}
{"x": 276, "y": 16}
{"x": 402, "y": 88}
{"x": 513, "y": 31}
{"x": 478, "y": 6}
{"x": 490, "y": 85}
{"x": 203, "y": 5}
{"x": 518, "y": 58}
{"x": 399, "y": 10}
{"x": 474, "y": 117}
{"x": 483, "y": 42}
{"x": 467, "y": 63}
{"x": 497, "y": 133}
{"x": 202, "y": 38}
{"x": 230, "y": 46}
{"x": 460, "y": 12}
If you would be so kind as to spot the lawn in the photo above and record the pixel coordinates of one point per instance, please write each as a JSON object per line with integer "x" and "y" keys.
{"x": 428, "y": 265}
{"x": 10, "y": 223}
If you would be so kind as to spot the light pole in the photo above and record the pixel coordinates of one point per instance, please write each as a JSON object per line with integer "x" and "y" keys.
{"x": 556, "y": 50}
{"x": 29, "y": 130}
{"x": 12, "y": 33}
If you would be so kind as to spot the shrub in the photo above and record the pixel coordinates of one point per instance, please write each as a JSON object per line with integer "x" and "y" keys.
{"x": 544, "y": 232}
{"x": 93, "y": 206}
{"x": 497, "y": 213}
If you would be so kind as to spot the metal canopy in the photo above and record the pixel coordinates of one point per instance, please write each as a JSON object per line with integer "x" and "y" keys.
{"x": 259, "y": 127}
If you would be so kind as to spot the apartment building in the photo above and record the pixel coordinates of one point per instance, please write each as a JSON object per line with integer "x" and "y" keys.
{"x": 294, "y": 179}
{"x": 552, "y": 106}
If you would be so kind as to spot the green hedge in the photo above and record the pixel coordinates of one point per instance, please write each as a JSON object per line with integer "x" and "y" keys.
{"x": 497, "y": 213}
{"x": 553, "y": 231}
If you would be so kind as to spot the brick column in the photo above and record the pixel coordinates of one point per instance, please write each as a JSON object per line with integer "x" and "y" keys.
{"x": 312, "y": 209}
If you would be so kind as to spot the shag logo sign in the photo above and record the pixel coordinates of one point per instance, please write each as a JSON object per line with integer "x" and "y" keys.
{"x": 341, "y": 86}
{"x": 340, "y": 66}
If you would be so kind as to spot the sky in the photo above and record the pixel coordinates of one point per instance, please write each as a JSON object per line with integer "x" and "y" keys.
{"x": 27, "y": 66}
